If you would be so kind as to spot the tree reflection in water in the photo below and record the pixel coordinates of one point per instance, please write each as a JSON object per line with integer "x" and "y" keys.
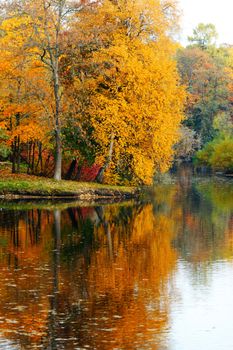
{"x": 101, "y": 277}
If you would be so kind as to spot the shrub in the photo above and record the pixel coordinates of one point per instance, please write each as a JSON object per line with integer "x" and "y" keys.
{"x": 203, "y": 156}
{"x": 217, "y": 154}
{"x": 222, "y": 157}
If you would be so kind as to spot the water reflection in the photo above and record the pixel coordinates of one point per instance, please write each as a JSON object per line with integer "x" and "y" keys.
{"x": 204, "y": 229}
{"x": 111, "y": 277}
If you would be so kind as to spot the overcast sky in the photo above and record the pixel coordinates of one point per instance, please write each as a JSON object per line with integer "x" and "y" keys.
{"x": 220, "y": 13}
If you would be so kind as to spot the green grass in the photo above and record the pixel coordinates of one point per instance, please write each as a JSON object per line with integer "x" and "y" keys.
{"x": 49, "y": 187}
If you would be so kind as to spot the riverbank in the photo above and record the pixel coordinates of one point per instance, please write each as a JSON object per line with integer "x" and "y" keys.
{"x": 26, "y": 186}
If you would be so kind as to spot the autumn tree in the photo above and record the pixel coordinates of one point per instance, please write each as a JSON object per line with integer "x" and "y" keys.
{"x": 42, "y": 26}
{"x": 135, "y": 105}
{"x": 206, "y": 71}
{"x": 102, "y": 73}
{"x": 49, "y": 18}
{"x": 207, "y": 80}
{"x": 21, "y": 77}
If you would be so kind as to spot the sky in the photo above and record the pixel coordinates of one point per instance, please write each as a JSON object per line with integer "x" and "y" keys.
{"x": 220, "y": 13}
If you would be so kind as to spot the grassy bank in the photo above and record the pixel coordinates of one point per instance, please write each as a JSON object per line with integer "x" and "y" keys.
{"x": 33, "y": 186}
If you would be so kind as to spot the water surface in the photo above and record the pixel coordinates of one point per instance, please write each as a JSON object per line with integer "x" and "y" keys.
{"x": 151, "y": 275}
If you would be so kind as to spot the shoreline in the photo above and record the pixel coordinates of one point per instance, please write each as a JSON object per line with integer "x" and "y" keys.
{"x": 59, "y": 203}
{"x": 26, "y": 188}
{"x": 89, "y": 194}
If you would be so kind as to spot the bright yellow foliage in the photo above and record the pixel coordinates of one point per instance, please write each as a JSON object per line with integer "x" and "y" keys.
{"x": 23, "y": 85}
{"x": 110, "y": 68}
{"x": 136, "y": 98}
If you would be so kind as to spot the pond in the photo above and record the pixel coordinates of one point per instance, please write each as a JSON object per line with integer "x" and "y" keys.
{"x": 151, "y": 275}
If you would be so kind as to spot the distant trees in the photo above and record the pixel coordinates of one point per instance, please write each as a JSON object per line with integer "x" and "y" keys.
{"x": 188, "y": 144}
{"x": 204, "y": 35}
{"x": 207, "y": 82}
{"x": 207, "y": 72}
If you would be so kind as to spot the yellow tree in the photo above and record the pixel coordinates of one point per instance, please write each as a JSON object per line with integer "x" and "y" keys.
{"x": 113, "y": 60}
{"x": 42, "y": 25}
{"x": 136, "y": 100}
{"x": 22, "y": 80}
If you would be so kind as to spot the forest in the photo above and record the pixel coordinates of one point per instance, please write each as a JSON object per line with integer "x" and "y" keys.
{"x": 103, "y": 91}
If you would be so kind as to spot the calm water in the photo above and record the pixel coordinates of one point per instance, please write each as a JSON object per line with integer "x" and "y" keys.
{"x": 157, "y": 275}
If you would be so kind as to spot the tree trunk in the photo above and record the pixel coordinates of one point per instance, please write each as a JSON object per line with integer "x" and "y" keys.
{"x": 46, "y": 166}
{"x": 13, "y": 146}
{"x": 18, "y": 155}
{"x": 58, "y": 156}
{"x": 54, "y": 53}
{"x": 29, "y": 146}
{"x": 58, "y": 141}
{"x": 71, "y": 169}
{"x": 40, "y": 158}
{"x": 79, "y": 172}
{"x": 33, "y": 158}
{"x": 100, "y": 175}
